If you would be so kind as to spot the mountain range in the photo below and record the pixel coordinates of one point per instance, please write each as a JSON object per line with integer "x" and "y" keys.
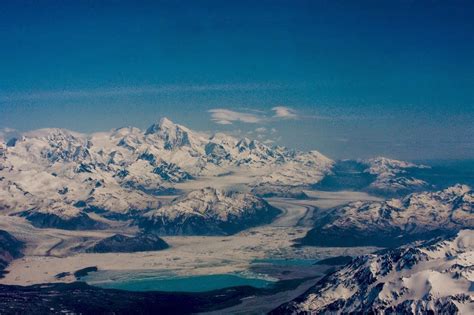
{"x": 58, "y": 178}
{"x": 55, "y": 177}
{"x": 395, "y": 221}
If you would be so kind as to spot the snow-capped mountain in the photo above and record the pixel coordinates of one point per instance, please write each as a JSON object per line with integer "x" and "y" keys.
{"x": 209, "y": 211}
{"x": 395, "y": 221}
{"x": 54, "y": 176}
{"x": 378, "y": 176}
{"x": 435, "y": 277}
{"x": 392, "y": 175}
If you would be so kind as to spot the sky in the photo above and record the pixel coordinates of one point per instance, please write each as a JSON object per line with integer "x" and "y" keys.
{"x": 352, "y": 79}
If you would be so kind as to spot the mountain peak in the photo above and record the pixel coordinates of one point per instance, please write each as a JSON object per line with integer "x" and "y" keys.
{"x": 163, "y": 124}
{"x": 166, "y": 122}
{"x": 458, "y": 189}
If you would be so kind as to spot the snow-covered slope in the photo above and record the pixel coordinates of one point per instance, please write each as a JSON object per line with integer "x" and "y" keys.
{"x": 396, "y": 221}
{"x": 209, "y": 211}
{"x": 435, "y": 277}
{"x": 392, "y": 176}
{"x": 379, "y": 176}
{"x": 53, "y": 176}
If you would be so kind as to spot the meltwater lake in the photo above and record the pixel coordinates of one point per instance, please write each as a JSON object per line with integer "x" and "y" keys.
{"x": 169, "y": 283}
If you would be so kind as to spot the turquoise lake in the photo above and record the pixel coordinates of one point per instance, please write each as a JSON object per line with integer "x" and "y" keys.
{"x": 285, "y": 261}
{"x": 173, "y": 283}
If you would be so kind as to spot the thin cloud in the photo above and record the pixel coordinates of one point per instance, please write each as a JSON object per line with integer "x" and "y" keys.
{"x": 284, "y": 112}
{"x": 269, "y": 141}
{"x": 227, "y": 117}
{"x": 131, "y": 90}
{"x": 224, "y": 116}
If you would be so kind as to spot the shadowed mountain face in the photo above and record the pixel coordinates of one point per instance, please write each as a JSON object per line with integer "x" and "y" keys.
{"x": 125, "y": 244}
{"x": 10, "y": 248}
{"x": 346, "y": 175}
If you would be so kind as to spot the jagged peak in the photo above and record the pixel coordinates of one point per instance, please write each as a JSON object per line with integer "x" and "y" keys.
{"x": 164, "y": 125}
{"x": 165, "y": 121}
{"x": 458, "y": 189}
{"x": 244, "y": 142}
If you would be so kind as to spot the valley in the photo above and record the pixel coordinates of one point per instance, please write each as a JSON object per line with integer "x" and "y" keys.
{"x": 52, "y": 251}
{"x": 170, "y": 212}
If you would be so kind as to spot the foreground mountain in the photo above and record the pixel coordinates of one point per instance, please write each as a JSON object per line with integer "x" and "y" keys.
{"x": 435, "y": 277}
{"x": 209, "y": 211}
{"x": 55, "y": 177}
{"x": 10, "y": 248}
{"x": 395, "y": 221}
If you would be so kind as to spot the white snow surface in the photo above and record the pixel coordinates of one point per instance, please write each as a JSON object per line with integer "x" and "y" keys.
{"x": 451, "y": 208}
{"x": 210, "y": 202}
{"x": 391, "y": 174}
{"x": 50, "y": 170}
{"x": 434, "y": 276}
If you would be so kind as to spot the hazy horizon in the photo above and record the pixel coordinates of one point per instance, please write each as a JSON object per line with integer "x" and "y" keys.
{"x": 392, "y": 79}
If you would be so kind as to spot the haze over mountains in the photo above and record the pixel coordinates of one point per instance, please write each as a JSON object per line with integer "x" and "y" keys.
{"x": 54, "y": 177}
{"x": 59, "y": 178}
{"x": 395, "y": 221}
{"x": 170, "y": 181}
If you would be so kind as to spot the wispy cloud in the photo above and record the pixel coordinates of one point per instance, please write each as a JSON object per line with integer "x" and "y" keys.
{"x": 131, "y": 90}
{"x": 227, "y": 117}
{"x": 284, "y": 112}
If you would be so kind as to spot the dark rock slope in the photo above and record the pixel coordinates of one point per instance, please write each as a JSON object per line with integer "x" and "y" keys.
{"x": 119, "y": 243}
{"x": 10, "y": 248}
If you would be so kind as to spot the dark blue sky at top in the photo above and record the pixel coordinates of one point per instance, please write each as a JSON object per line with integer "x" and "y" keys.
{"x": 366, "y": 78}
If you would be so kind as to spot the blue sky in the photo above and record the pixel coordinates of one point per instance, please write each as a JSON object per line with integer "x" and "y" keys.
{"x": 357, "y": 79}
